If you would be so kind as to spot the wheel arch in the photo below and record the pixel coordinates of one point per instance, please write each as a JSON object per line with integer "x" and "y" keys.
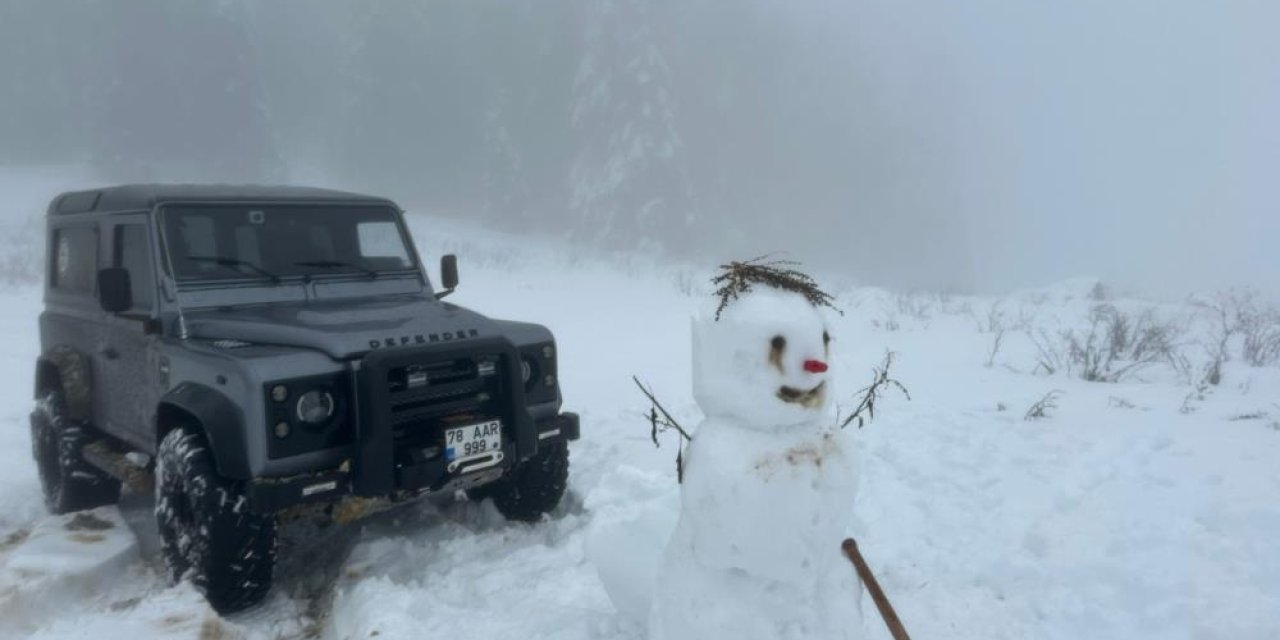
{"x": 216, "y": 416}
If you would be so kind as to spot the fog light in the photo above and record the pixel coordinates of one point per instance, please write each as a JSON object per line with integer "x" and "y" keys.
{"x": 550, "y": 381}
{"x": 282, "y": 429}
{"x": 279, "y": 393}
{"x": 548, "y": 352}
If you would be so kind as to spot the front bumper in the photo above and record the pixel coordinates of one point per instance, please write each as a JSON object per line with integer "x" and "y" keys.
{"x": 412, "y": 476}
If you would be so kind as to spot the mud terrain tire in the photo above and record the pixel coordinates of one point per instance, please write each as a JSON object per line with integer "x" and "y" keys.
{"x": 207, "y": 531}
{"x": 534, "y": 487}
{"x": 69, "y": 483}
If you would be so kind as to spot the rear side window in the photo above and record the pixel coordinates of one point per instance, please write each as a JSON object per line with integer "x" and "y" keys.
{"x": 74, "y": 259}
{"x": 134, "y": 255}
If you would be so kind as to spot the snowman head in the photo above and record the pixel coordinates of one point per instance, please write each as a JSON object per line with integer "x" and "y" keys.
{"x": 765, "y": 363}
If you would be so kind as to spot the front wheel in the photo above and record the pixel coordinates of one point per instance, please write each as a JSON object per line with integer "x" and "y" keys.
{"x": 207, "y": 531}
{"x": 534, "y": 487}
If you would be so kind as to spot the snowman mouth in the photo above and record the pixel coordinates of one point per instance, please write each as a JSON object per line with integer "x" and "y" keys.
{"x": 809, "y": 398}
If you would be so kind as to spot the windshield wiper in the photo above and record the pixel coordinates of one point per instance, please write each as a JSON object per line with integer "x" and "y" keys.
{"x": 335, "y": 264}
{"x": 224, "y": 261}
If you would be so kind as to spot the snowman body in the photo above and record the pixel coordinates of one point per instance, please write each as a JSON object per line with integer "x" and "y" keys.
{"x": 768, "y": 488}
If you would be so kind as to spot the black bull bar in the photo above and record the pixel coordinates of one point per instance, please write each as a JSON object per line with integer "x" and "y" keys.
{"x": 373, "y": 465}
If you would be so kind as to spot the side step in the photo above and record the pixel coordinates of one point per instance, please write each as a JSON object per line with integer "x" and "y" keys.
{"x": 114, "y": 459}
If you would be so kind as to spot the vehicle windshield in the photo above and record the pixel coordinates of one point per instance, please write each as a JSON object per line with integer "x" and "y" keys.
{"x": 222, "y": 242}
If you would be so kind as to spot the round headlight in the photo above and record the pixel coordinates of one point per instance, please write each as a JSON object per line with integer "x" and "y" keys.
{"x": 315, "y": 407}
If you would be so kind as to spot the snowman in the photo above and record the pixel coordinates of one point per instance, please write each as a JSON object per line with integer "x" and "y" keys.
{"x": 768, "y": 485}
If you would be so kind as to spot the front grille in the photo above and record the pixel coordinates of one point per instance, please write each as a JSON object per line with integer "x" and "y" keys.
{"x": 425, "y": 397}
{"x": 408, "y": 396}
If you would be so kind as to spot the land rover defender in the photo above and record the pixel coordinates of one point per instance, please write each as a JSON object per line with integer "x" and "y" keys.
{"x": 245, "y": 351}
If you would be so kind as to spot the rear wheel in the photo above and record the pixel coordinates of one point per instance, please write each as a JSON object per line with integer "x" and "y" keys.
{"x": 207, "y": 531}
{"x": 533, "y": 488}
{"x": 57, "y": 442}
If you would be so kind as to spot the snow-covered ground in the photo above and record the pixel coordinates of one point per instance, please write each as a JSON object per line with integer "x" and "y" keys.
{"x": 1145, "y": 508}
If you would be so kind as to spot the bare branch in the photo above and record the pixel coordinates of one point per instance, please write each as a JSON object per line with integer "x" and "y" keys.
{"x": 880, "y": 380}
{"x": 997, "y": 339}
{"x": 1043, "y": 406}
{"x": 661, "y": 421}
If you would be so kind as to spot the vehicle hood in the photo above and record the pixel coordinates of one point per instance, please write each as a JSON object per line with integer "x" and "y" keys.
{"x": 343, "y": 328}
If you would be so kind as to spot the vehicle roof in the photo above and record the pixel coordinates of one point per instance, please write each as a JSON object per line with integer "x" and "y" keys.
{"x": 144, "y": 197}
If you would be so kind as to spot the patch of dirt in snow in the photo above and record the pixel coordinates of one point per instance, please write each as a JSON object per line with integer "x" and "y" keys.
{"x": 13, "y": 539}
{"x": 87, "y": 521}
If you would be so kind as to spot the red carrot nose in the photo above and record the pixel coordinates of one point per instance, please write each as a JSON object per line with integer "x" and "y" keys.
{"x": 815, "y": 366}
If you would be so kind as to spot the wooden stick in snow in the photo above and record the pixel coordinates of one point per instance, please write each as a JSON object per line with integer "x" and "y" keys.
{"x": 891, "y": 620}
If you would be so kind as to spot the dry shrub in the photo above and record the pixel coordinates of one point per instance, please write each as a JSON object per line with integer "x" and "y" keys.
{"x": 1237, "y": 313}
{"x": 1261, "y": 346}
{"x": 1115, "y": 346}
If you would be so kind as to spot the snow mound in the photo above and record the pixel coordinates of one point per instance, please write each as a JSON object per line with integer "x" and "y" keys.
{"x": 1071, "y": 289}
{"x": 180, "y": 613}
{"x": 635, "y": 512}
{"x": 462, "y": 572}
{"x": 63, "y": 558}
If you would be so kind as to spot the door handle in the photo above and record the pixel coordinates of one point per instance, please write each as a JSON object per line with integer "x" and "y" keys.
{"x": 109, "y": 353}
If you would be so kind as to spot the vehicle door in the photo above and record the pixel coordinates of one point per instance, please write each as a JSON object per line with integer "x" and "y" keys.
{"x": 129, "y": 352}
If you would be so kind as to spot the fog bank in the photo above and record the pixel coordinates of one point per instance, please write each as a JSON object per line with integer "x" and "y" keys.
{"x": 983, "y": 145}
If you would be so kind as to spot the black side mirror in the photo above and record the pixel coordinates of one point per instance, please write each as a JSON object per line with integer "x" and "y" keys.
{"x": 115, "y": 293}
{"x": 448, "y": 274}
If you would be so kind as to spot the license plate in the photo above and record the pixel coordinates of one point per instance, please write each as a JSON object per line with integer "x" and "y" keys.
{"x": 473, "y": 440}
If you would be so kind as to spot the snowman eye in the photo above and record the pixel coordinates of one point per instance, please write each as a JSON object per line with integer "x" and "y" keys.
{"x": 775, "y": 354}
{"x": 826, "y": 338}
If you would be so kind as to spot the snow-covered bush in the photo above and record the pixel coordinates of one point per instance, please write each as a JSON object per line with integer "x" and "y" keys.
{"x": 1114, "y": 346}
{"x": 1000, "y": 318}
{"x": 916, "y": 306}
{"x": 1227, "y": 311}
{"x": 1261, "y": 331}
{"x": 23, "y": 252}
{"x": 1237, "y": 319}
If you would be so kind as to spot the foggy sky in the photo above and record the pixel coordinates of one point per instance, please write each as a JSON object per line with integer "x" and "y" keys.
{"x": 982, "y": 145}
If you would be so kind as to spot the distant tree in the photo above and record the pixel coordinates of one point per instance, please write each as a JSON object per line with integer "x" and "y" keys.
{"x": 628, "y": 180}
{"x": 175, "y": 95}
{"x": 527, "y": 142}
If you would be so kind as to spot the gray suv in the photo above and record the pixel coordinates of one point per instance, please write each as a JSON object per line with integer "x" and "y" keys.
{"x": 250, "y": 351}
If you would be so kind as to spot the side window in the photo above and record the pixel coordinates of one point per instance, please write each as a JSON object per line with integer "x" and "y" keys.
{"x": 381, "y": 245}
{"x": 133, "y": 253}
{"x": 75, "y": 259}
